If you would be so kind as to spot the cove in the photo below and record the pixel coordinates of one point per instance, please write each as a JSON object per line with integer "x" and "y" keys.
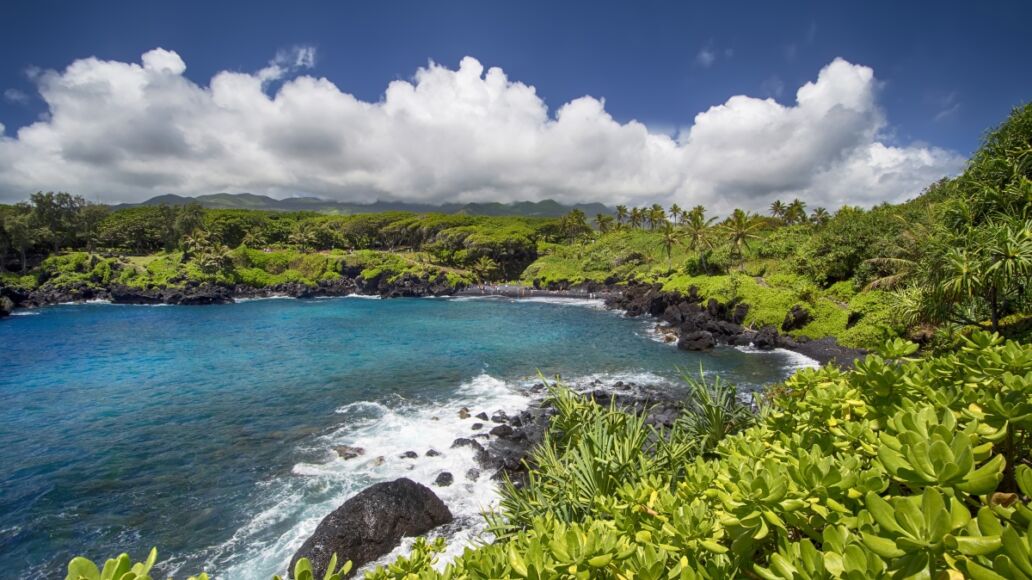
{"x": 209, "y": 432}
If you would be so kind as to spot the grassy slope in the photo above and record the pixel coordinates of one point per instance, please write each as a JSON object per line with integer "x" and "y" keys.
{"x": 768, "y": 285}
{"x": 252, "y": 267}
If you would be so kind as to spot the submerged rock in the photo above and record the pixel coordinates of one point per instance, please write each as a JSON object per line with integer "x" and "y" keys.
{"x": 348, "y": 452}
{"x": 372, "y": 524}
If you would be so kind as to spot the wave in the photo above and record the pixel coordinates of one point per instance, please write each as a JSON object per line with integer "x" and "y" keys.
{"x": 595, "y": 303}
{"x": 365, "y": 296}
{"x": 257, "y": 298}
{"x": 291, "y": 507}
{"x": 80, "y": 302}
{"x": 25, "y": 313}
{"x": 794, "y": 360}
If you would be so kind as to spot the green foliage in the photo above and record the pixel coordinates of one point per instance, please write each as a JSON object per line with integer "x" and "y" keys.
{"x": 890, "y": 470}
{"x": 123, "y": 568}
{"x": 303, "y": 570}
{"x": 120, "y": 568}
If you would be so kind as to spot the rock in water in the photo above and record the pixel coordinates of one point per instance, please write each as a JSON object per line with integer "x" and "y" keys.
{"x": 698, "y": 340}
{"x": 6, "y": 306}
{"x": 372, "y": 524}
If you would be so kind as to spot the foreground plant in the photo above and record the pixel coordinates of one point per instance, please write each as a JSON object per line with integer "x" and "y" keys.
{"x": 123, "y": 568}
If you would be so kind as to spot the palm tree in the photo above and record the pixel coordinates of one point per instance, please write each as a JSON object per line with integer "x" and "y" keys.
{"x": 636, "y": 218}
{"x": 670, "y": 237}
{"x": 697, "y": 231}
{"x": 820, "y": 216}
{"x": 604, "y": 222}
{"x": 777, "y": 209}
{"x": 656, "y": 215}
{"x": 739, "y": 229}
{"x": 621, "y": 214}
{"x": 675, "y": 213}
{"x": 485, "y": 269}
{"x": 795, "y": 213}
{"x": 303, "y": 236}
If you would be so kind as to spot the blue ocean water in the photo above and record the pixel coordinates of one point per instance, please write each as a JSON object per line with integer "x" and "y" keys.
{"x": 209, "y": 431}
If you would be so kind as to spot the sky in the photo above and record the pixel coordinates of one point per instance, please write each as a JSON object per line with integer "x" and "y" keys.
{"x": 723, "y": 104}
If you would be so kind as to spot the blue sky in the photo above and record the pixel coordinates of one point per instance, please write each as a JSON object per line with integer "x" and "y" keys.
{"x": 944, "y": 72}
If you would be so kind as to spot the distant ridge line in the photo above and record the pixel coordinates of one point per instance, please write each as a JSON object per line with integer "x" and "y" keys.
{"x": 544, "y": 208}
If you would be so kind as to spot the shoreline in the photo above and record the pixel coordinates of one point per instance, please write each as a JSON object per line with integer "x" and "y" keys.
{"x": 722, "y": 324}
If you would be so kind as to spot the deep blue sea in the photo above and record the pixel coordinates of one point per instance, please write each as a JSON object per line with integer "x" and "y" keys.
{"x": 209, "y": 431}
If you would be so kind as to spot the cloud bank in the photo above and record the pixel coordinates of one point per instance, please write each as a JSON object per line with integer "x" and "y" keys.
{"x": 122, "y": 131}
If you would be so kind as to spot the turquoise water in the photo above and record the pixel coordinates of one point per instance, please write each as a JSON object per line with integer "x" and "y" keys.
{"x": 208, "y": 431}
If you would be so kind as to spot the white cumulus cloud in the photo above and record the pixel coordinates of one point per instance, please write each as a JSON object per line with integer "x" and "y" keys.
{"x": 123, "y": 131}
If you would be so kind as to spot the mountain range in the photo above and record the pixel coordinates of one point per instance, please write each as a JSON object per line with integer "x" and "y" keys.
{"x": 544, "y": 208}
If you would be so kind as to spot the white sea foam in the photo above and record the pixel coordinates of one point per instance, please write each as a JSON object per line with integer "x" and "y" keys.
{"x": 78, "y": 302}
{"x": 291, "y": 507}
{"x": 364, "y": 296}
{"x": 25, "y": 313}
{"x": 257, "y": 298}
{"x": 793, "y": 360}
{"x": 596, "y": 303}
{"x": 472, "y": 298}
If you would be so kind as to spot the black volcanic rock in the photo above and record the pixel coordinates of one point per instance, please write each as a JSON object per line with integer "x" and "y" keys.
{"x": 372, "y": 524}
{"x": 796, "y": 318}
{"x": 766, "y": 338}
{"x": 697, "y": 340}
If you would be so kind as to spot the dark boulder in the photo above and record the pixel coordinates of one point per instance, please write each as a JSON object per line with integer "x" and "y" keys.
{"x": 696, "y": 340}
{"x": 482, "y": 416}
{"x": 796, "y": 318}
{"x": 6, "y": 306}
{"x": 503, "y": 431}
{"x": 433, "y": 453}
{"x": 739, "y": 312}
{"x": 444, "y": 479}
{"x": 372, "y": 524}
{"x": 766, "y": 338}
{"x": 479, "y": 453}
{"x": 409, "y": 455}
{"x": 673, "y": 315}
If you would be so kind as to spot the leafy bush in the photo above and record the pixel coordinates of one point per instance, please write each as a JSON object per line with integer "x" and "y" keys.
{"x": 897, "y": 468}
{"x": 122, "y": 568}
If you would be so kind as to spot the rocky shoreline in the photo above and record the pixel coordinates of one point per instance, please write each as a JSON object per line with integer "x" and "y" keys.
{"x": 194, "y": 293}
{"x": 696, "y": 324}
{"x": 370, "y": 524}
{"x": 693, "y": 323}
